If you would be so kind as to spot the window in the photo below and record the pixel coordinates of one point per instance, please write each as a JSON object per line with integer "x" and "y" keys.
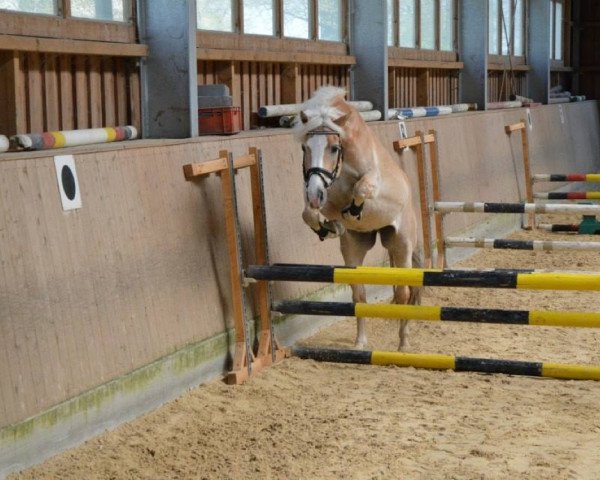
{"x": 296, "y": 18}
{"x": 330, "y": 20}
{"x": 216, "y": 16}
{"x": 407, "y": 15}
{"x": 112, "y": 10}
{"x": 106, "y": 10}
{"x": 302, "y": 19}
{"x": 424, "y": 24}
{"x": 259, "y": 17}
{"x": 507, "y": 27}
{"x": 48, "y": 7}
{"x": 556, "y": 43}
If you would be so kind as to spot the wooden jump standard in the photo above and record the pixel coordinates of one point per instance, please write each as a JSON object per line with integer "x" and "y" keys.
{"x": 441, "y": 314}
{"x": 498, "y": 243}
{"x": 450, "y": 362}
{"x": 245, "y": 361}
{"x": 519, "y": 279}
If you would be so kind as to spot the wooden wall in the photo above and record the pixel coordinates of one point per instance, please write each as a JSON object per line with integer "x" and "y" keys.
{"x": 422, "y": 87}
{"x": 50, "y": 91}
{"x": 500, "y": 85}
{"x": 140, "y": 271}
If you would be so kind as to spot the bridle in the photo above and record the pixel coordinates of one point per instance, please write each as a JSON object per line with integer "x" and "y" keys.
{"x": 325, "y": 175}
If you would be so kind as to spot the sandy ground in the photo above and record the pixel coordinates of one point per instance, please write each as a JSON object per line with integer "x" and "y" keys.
{"x": 308, "y": 420}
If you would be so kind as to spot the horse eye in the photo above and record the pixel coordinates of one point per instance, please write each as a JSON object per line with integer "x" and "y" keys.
{"x": 335, "y": 148}
{"x": 303, "y": 148}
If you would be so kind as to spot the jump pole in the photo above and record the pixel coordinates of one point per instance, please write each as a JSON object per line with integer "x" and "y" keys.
{"x": 490, "y": 207}
{"x": 568, "y": 195}
{"x": 415, "y": 277}
{"x": 441, "y": 314}
{"x": 451, "y": 362}
{"x": 543, "y": 245}
{"x": 569, "y": 177}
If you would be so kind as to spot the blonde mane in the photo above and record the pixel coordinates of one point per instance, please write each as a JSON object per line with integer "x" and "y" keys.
{"x": 320, "y": 112}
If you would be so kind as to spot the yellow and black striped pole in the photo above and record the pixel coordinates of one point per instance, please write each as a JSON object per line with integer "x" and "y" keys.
{"x": 441, "y": 314}
{"x": 451, "y": 362}
{"x": 415, "y": 277}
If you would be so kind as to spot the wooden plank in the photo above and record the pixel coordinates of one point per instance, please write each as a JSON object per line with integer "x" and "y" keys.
{"x": 51, "y": 96}
{"x": 245, "y": 68}
{"x": 9, "y": 64}
{"x": 273, "y": 57}
{"x": 291, "y": 86}
{"x": 73, "y": 47}
{"x": 66, "y": 79}
{"x": 121, "y": 91}
{"x": 95, "y": 93}
{"x": 108, "y": 92}
{"x": 399, "y": 62}
{"x": 254, "y": 94}
{"x": 82, "y": 93}
{"x": 194, "y": 170}
{"x": 35, "y": 96}
{"x": 135, "y": 100}
{"x": 423, "y": 88}
{"x": 57, "y": 27}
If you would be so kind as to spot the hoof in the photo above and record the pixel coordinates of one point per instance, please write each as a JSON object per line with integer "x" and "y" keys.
{"x": 360, "y": 345}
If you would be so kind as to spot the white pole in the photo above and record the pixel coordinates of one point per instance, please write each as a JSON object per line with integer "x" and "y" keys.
{"x": 482, "y": 207}
{"x": 470, "y": 242}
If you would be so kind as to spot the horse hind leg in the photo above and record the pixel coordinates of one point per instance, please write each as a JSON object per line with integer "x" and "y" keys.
{"x": 354, "y": 247}
{"x": 402, "y": 254}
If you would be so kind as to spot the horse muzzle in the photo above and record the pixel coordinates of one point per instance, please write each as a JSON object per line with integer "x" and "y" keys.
{"x": 316, "y": 192}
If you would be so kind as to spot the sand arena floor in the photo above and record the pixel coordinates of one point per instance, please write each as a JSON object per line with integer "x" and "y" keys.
{"x": 307, "y": 420}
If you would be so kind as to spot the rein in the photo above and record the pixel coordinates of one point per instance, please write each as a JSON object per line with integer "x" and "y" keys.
{"x": 325, "y": 175}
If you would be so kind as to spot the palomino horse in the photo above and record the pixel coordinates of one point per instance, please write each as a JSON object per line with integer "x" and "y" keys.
{"x": 354, "y": 189}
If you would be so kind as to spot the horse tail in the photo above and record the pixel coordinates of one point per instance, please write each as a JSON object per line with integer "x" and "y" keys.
{"x": 416, "y": 292}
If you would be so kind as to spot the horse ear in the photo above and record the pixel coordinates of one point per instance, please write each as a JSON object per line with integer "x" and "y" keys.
{"x": 343, "y": 119}
{"x": 303, "y": 117}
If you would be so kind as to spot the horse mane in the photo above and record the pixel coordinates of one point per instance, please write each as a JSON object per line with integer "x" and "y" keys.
{"x": 321, "y": 112}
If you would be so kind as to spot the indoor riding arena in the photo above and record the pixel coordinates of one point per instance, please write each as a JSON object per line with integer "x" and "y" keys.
{"x": 299, "y": 239}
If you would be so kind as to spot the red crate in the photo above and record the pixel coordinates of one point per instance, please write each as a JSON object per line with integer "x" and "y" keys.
{"x": 219, "y": 120}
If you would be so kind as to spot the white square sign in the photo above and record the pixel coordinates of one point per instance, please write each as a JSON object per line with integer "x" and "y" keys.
{"x": 68, "y": 185}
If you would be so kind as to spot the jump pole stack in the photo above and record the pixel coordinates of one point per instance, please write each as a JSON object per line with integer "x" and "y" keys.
{"x": 430, "y": 277}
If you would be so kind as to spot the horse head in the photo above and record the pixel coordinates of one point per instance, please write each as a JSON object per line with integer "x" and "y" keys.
{"x": 321, "y": 130}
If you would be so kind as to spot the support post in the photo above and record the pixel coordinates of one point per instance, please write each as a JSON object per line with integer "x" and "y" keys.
{"x": 473, "y": 49}
{"x": 368, "y": 43}
{"x": 538, "y": 51}
{"x": 169, "y": 73}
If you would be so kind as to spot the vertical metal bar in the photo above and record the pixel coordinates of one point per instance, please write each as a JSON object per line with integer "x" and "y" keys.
{"x": 539, "y": 51}
{"x": 474, "y": 52}
{"x": 168, "y": 74}
{"x": 369, "y": 45}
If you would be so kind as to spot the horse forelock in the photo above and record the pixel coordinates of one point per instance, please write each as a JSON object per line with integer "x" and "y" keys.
{"x": 320, "y": 111}
{"x": 324, "y": 118}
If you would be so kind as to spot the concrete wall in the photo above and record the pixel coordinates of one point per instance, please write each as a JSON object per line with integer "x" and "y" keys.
{"x": 112, "y": 309}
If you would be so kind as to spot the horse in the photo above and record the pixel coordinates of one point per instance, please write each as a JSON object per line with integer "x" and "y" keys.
{"x": 355, "y": 190}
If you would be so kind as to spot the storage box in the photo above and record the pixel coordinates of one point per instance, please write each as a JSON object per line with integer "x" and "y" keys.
{"x": 219, "y": 120}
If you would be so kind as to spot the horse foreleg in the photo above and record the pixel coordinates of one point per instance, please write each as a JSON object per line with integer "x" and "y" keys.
{"x": 320, "y": 225}
{"x": 366, "y": 188}
{"x": 354, "y": 246}
{"x": 400, "y": 250}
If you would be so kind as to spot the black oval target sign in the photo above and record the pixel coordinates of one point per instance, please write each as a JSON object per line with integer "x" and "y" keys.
{"x": 68, "y": 182}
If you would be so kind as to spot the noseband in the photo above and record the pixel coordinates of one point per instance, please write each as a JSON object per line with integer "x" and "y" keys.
{"x": 325, "y": 175}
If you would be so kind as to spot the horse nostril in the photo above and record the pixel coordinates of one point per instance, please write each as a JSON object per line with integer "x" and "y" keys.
{"x": 321, "y": 195}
